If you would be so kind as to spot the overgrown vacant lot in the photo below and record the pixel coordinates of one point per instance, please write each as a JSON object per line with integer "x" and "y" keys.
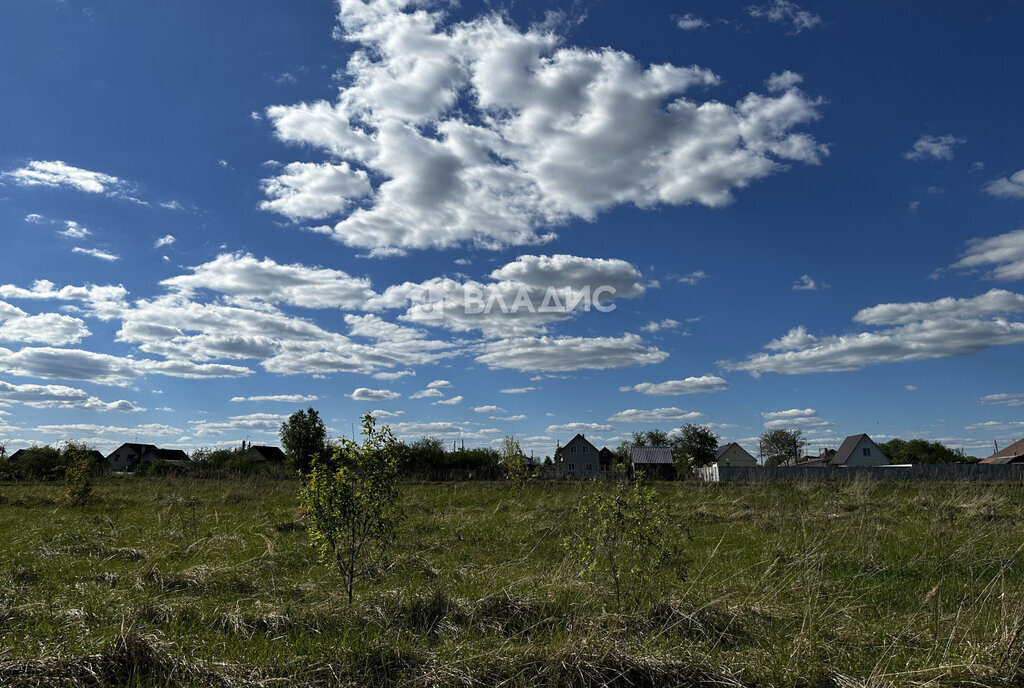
{"x": 172, "y": 582}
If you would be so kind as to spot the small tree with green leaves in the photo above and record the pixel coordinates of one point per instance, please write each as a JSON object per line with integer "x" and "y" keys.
{"x": 517, "y": 469}
{"x": 780, "y": 445}
{"x": 693, "y": 447}
{"x": 623, "y": 537}
{"x": 351, "y": 503}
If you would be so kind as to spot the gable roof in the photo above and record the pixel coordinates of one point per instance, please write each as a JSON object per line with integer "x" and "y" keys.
{"x": 846, "y": 449}
{"x": 170, "y": 454}
{"x": 650, "y": 455}
{"x": 139, "y": 449}
{"x": 582, "y": 439}
{"x": 720, "y": 452}
{"x": 267, "y": 453}
{"x": 1011, "y": 454}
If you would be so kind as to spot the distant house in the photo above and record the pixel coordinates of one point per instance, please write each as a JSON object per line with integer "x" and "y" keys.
{"x": 808, "y": 462}
{"x": 130, "y": 454}
{"x": 607, "y": 459}
{"x": 653, "y": 462}
{"x": 858, "y": 450}
{"x": 261, "y": 453}
{"x": 16, "y": 455}
{"x": 732, "y": 454}
{"x": 580, "y": 458}
{"x": 1012, "y": 454}
{"x": 95, "y": 457}
{"x": 811, "y": 461}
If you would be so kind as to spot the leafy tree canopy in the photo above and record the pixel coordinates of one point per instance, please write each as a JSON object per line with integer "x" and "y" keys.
{"x": 780, "y": 445}
{"x": 303, "y": 437}
{"x": 920, "y": 451}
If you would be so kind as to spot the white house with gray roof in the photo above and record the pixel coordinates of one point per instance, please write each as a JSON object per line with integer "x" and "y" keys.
{"x": 732, "y": 454}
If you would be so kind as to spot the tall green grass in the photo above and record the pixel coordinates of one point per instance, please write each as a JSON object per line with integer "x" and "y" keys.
{"x": 164, "y": 581}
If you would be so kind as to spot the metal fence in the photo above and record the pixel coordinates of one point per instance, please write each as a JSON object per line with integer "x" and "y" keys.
{"x": 936, "y": 472}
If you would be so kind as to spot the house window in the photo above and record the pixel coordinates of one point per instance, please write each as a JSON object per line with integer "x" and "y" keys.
{"x": 572, "y": 449}
{"x": 590, "y": 466}
{"x": 867, "y": 451}
{"x": 572, "y": 467}
{"x": 585, "y": 448}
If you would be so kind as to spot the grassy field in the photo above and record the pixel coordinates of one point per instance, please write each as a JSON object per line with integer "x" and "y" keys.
{"x": 163, "y": 581}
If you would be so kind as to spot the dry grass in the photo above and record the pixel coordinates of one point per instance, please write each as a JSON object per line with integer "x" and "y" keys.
{"x": 161, "y": 582}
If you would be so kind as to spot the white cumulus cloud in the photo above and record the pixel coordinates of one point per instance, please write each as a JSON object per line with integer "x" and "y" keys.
{"x": 794, "y": 418}
{"x": 1007, "y": 187}
{"x": 916, "y": 331}
{"x": 559, "y": 354}
{"x": 306, "y": 190}
{"x": 366, "y": 394}
{"x": 690, "y": 385}
{"x": 479, "y": 132}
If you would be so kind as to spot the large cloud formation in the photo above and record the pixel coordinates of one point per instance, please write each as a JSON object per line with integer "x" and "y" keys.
{"x": 215, "y": 318}
{"x": 480, "y": 132}
{"x": 912, "y": 332}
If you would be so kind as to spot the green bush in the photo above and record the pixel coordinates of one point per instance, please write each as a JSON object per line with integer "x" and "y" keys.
{"x": 351, "y": 503}
{"x": 623, "y": 537}
{"x": 78, "y": 479}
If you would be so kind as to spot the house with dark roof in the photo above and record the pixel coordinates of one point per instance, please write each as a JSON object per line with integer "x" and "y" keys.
{"x": 130, "y": 454}
{"x": 1012, "y": 454}
{"x": 732, "y": 454}
{"x": 260, "y": 453}
{"x": 16, "y": 455}
{"x": 653, "y": 462}
{"x": 580, "y": 458}
{"x": 858, "y": 450}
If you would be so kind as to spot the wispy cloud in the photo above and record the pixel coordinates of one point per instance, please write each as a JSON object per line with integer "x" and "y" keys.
{"x": 690, "y": 385}
{"x": 290, "y": 398}
{"x": 73, "y": 230}
{"x": 96, "y": 253}
{"x": 807, "y": 283}
{"x": 691, "y": 22}
{"x": 786, "y": 12}
{"x": 933, "y": 147}
{"x": 56, "y": 173}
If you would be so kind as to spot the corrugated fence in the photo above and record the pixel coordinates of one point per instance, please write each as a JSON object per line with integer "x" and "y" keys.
{"x": 954, "y": 471}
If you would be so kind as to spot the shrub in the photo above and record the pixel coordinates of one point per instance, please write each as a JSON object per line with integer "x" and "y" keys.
{"x": 78, "y": 479}
{"x": 351, "y": 503}
{"x": 623, "y": 537}
{"x": 40, "y": 463}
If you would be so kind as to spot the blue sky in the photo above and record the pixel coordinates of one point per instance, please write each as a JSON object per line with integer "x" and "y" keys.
{"x": 213, "y": 214}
